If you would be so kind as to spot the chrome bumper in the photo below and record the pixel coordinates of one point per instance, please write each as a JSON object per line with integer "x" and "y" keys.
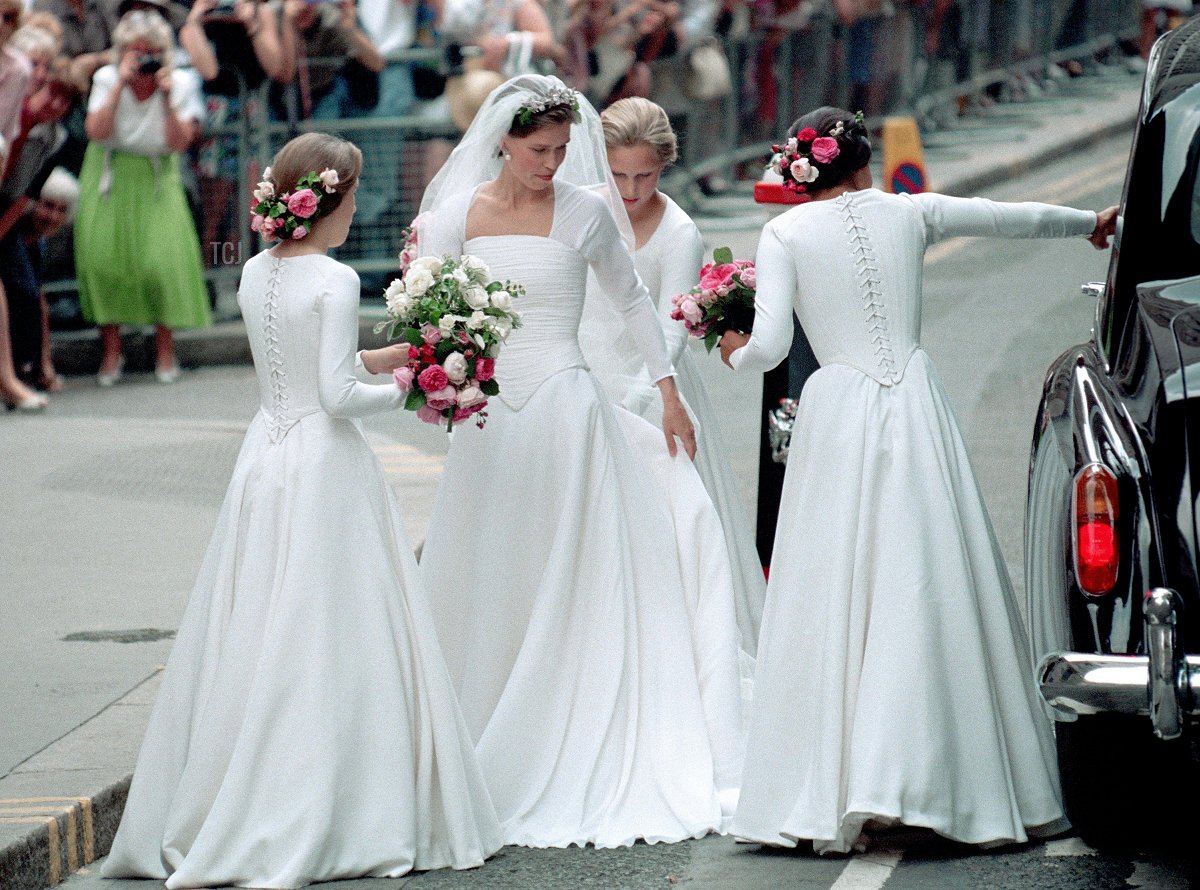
{"x": 1164, "y": 684}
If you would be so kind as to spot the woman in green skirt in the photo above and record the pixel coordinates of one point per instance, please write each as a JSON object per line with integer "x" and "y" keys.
{"x": 137, "y": 256}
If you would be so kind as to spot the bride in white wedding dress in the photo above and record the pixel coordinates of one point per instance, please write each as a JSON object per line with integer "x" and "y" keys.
{"x": 306, "y": 728}
{"x": 549, "y": 552}
{"x": 723, "y": 561}
{"x": 894, "y": 681}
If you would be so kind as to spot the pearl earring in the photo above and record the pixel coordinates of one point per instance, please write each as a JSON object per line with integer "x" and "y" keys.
{"x": 507, "y": 156}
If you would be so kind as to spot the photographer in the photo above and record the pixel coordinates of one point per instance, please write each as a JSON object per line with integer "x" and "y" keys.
{"x": 136, "y": 253}
{"x": 234, "y": 46}
{"x": 323, "y": 39}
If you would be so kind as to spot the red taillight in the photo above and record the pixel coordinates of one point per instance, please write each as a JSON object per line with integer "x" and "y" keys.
{"x": 1097, "y": 548}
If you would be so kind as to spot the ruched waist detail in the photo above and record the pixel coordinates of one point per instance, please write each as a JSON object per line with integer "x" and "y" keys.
{"x": 525, "y": 364}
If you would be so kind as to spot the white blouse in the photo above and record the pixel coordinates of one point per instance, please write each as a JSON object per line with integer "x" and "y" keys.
{"x": 140, "y": 126}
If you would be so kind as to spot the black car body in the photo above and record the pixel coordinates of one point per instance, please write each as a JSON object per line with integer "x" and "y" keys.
{"x": 1111, "y": 519}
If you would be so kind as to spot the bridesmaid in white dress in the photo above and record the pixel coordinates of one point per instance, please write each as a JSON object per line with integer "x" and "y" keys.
{"x": 564, "y": 627}
{"x": 894, "y": 682}
{"x": 306, "y": 729}
{"x": 668, "y": 255}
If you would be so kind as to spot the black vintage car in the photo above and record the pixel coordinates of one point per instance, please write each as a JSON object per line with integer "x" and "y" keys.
{"x": 1112, "y": 522}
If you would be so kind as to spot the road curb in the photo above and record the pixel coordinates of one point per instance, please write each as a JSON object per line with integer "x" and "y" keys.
{"x": 70, "y": 833}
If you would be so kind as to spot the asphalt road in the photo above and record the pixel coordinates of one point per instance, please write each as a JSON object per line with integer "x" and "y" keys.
{"x": 114, "y": 493}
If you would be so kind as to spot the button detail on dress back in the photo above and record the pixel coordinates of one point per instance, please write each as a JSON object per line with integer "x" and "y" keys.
{"x": 277, "y": 425}
{"x": 866, "y": 268}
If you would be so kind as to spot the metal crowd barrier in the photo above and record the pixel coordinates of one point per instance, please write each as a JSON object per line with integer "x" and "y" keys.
{"x": 984, "y": 44}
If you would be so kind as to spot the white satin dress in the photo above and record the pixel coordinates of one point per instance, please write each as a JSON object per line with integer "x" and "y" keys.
{"x": 894, "y": 679}
{"x": 549, "y": 560}
{"x": 669, "y": 264}
{"x": 306, "y": 728}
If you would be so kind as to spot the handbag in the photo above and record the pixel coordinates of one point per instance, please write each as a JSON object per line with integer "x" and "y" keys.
{"x": 708, "y": 75}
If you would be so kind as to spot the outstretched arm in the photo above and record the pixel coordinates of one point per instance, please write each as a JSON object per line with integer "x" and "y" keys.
{"x": 947, "y": 217}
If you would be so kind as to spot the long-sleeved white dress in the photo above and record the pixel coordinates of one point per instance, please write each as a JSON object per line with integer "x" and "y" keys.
{"x": 894, "y": 681}
{"x": 549, "y": 561}
{"x": 306, "y": 728}
{"x": 669, "y": 264}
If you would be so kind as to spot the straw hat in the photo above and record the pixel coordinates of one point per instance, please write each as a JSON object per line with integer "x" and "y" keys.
{"x": 466, "y": 92}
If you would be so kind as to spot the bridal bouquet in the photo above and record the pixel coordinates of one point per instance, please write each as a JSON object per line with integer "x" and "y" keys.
{"x": 722, "y": 301}
{"x": 454, "y": 318}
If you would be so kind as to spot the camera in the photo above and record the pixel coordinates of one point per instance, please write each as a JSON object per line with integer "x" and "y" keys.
{"x": 149, "y": 63}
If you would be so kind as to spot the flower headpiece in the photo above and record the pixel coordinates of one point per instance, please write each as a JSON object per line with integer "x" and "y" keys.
{"x": 292, "y": 214}
{"x": 799, "y": 160}
{"x": 552, "y": 98}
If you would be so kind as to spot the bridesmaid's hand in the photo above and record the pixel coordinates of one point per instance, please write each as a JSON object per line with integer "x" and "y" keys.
{"x": 1106, "y": 227}
{"x": 676, "y": 422}
{"x": 385, "y": 360}
{"x": 731, "y": 341}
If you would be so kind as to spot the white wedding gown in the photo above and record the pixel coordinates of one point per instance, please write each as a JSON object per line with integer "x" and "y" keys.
{"x": 563, "y": 618}
{"x": 306, "y": 728}
{"x": 669, "y": 264}
{"x": 894, "y": 678}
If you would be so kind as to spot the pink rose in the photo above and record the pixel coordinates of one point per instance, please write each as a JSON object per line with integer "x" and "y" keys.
{"x": 256, "y": 222}
{"x": 303, "y": 203}
{"x": 404, "y": 378}
{"x": 808, "y": 134}
{"x": 464, "y": 413}
{"x": 426, "y": 414}
{"x": 413, "y": 352}
{"x": 691, "y": 311}
{"x": 470, "y": 396}
{"x": 718, "y": 276}
{"x": 433, "y": 379}
{"x": 446, "y": 397}
{"x": 431, "y": 335}
{"x": 749, "y": 277}
{"x": 677, "y": 314}
{"x": 485, "y": 369}
{"x": 298, "y": 233}
{"x": 825, "y": 149}
{"x": 267, "y": 227}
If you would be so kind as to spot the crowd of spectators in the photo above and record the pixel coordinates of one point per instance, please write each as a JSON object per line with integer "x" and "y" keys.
{"x": 141, "y": 99}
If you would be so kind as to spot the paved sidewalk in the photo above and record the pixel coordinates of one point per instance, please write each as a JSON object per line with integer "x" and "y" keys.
{"x": 60, "y": 807}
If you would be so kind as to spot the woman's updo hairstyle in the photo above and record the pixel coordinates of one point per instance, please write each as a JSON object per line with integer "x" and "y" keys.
{"x": 850, "y": 133}
{"x": 637, "y": 121}
{"x": 312, "y": 153}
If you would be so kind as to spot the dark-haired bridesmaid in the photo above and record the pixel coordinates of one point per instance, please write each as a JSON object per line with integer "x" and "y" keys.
{"x": 893, "y": 681}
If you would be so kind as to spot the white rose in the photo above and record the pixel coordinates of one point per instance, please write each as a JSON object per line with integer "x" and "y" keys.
{"x": 448, "y": 321}
{"x": 493, "y": 351}
{"x": 502, "y": 299}
{"x": 804, "y": 171}
{"x": 329, "y": 178}
{"x": 455, "y": 366}
{"x": 477, "y": 269}
{"x": 431, "y": 264}
{"x": 476, "y": 297}
{"x": 264, "y": 192}
{"x": 502, "y": 327}
{"x": 417, "y": 280}
{"x": 469, "y": 396}
{"x": 475, "y": 322}
{"x": 398, "y": 300}
{"x": 460, "y": 277}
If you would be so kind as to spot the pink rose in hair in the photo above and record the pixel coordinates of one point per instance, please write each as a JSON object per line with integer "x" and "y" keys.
{"x": 298, "y": 233}
{"x": 485, "y": 369}
{"x": 303, "y": 203}
{"x": 446, "y": 397}
{"x": 426, "y": 414}
{"x": 433, "y": 379}
{"x": 808, "y": 134}
{"x": 825, "y": 149}
{"x": 267, "y": 228}
{"x": 256, "y": 222}
{"x": 404, "y": 379}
